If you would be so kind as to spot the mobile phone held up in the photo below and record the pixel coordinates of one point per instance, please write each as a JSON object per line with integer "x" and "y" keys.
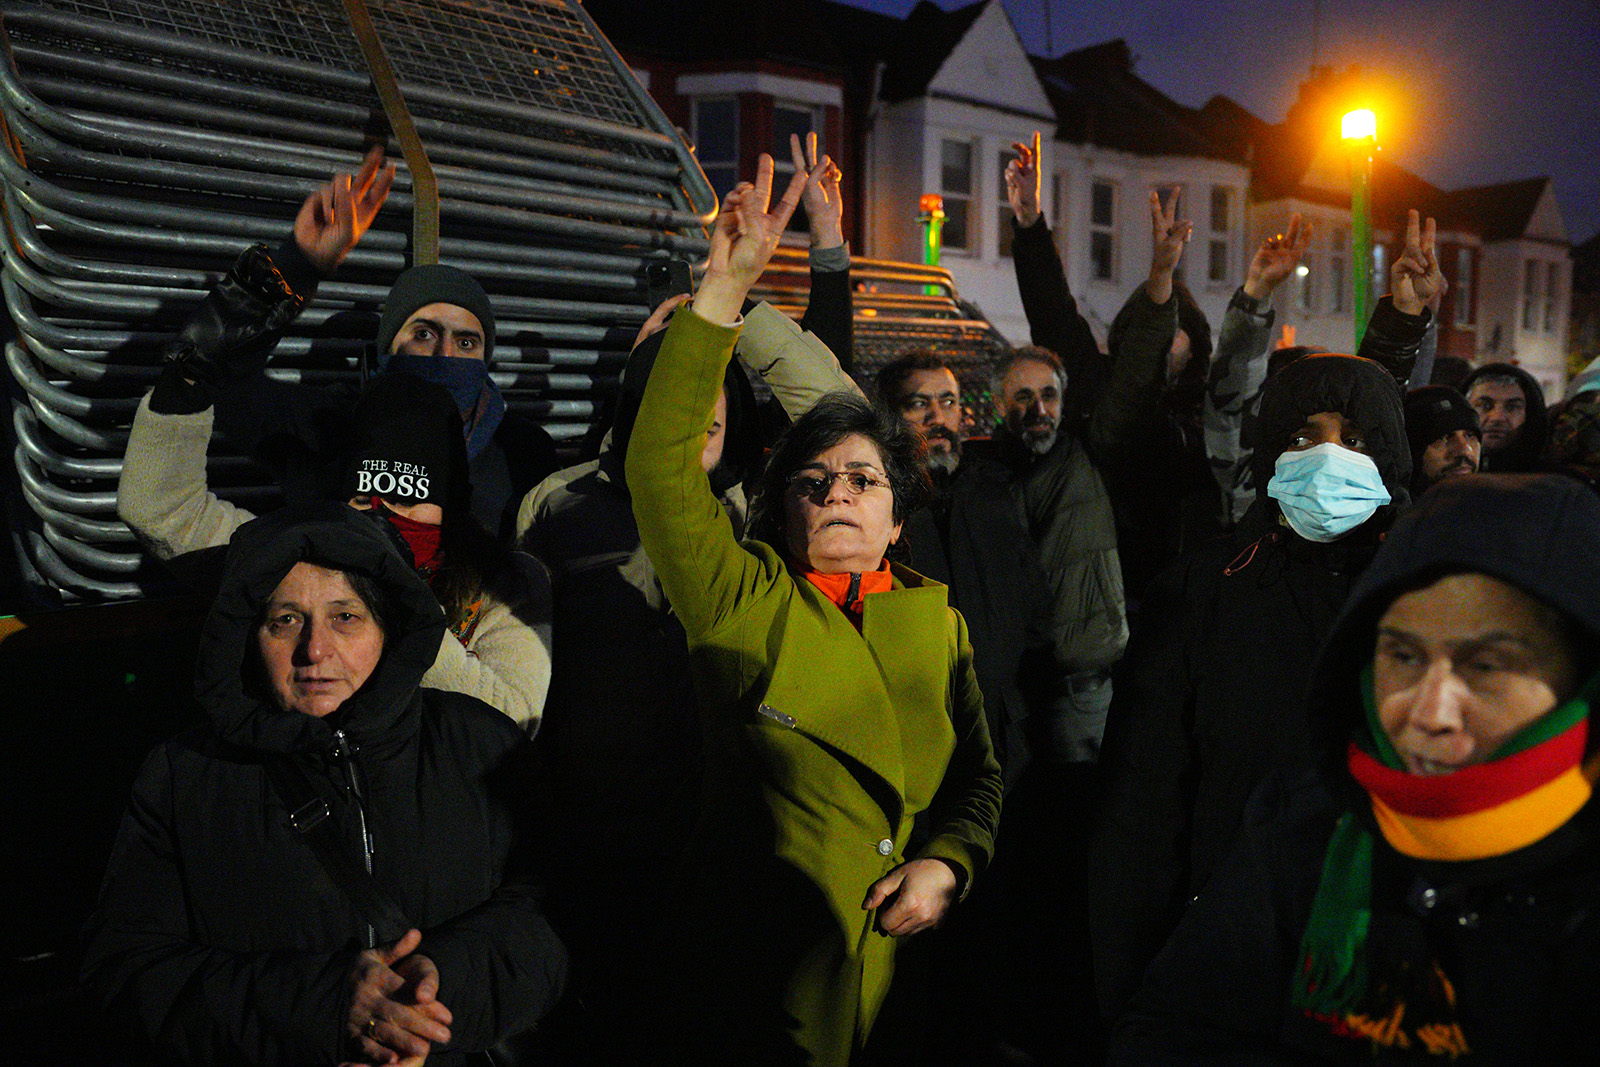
{"x": 664, "y": 279}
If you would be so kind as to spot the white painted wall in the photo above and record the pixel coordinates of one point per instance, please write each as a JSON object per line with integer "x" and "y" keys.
{"x": 1539, "y": 351}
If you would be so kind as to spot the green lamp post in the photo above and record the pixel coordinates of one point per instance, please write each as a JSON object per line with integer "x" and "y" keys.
{"x": 1360, "y": 132}
{"x": 931, "y": 218}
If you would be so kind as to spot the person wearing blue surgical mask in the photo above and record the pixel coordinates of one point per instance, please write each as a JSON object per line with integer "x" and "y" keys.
{"x": 1208, "y": 702}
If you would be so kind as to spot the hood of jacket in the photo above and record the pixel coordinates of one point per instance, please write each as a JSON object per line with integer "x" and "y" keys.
{"x": 1538, "y": 532}
{"x": 741, "y": 445}
{"x": 1524, "y": 455}
{"x": 228, "y": 680}
{"x": 1359, "y": 389}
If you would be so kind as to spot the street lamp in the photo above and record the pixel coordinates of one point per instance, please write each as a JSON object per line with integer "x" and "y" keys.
{"x": 1360, "y": 132}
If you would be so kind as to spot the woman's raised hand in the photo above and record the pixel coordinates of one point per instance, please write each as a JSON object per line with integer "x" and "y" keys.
{"x": 743, "y": 239}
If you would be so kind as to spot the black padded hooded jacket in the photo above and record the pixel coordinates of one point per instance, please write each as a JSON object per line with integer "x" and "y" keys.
{"x": 220, "y": 938}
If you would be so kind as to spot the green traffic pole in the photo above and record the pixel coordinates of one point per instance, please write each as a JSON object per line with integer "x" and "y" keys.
{"x": 1361, "y": 231}
{"x": 931, "y": 219}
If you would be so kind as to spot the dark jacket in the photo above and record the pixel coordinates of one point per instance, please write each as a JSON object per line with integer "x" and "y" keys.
{"x": 971, "y": 538}
{"x": 1205, "y": 704}
{"x": 220, "y": 938}
{"x": 290, "y": 429}
{"x": 1518, "y": 934}
{"x": 1526, "y": 453}
{"x": 1162, "y": 491}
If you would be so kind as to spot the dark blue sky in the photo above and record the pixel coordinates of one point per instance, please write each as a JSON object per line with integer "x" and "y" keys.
{"x": 1483, "y": 91}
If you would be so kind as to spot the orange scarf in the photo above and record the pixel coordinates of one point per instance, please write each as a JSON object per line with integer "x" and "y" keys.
{"x": 850, "y": 589}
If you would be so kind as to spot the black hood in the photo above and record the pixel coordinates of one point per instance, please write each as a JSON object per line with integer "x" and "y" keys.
{"x": 262, "y": 551}
{"x": 1358, "y": 389}
{"x": 1538, "y": 532}
{"x": 1525, "y": 454}
{"x": 741, "y": 447}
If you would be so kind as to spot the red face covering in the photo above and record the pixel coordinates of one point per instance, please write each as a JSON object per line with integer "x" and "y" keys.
{"x": 421, "y": 537}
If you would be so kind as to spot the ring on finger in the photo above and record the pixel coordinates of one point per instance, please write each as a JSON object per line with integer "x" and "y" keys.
{"x": 372, "y": 1026}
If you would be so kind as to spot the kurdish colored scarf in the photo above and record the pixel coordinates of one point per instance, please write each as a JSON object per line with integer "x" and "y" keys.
{"x": 1530, "y": 787}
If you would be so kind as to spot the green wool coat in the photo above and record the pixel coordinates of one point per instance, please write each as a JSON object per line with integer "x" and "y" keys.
{"x": 823, "y": 744}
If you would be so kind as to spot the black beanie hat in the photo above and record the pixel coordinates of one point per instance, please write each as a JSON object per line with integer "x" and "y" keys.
{"x": 433, "y": 283}
{"x": 408, "y": 445}
{"x": 1433, "y": 411}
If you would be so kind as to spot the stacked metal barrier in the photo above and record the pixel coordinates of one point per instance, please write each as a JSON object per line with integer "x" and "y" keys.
{"x": 896, "y": 313}
{"x": 149, "y": 141}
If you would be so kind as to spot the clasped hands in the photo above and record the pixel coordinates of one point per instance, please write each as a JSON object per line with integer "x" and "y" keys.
{"x": 395, "y": 1016}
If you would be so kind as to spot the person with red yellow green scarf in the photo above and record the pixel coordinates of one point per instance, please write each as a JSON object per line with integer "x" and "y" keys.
{"x": 1432, "y": 894}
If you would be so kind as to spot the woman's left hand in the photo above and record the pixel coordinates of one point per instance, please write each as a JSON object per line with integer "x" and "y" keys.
{"x": 923, "y": 891}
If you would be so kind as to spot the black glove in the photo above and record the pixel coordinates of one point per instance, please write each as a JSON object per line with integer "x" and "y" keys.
{"x": 236, "y": 326}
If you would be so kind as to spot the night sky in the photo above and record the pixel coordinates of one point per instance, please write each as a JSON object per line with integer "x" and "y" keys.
{"x": 1478, "y": 92}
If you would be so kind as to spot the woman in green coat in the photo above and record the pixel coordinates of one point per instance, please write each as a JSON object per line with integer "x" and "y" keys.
{"x": 837, "y": 703}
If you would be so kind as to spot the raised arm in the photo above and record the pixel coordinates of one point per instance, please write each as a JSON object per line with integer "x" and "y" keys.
{"x": 1053, "y": 317}
{"x": 1400, "y": 321}
{"x": 829, "y": 307}
{"x": 1141, "y": 338}
{"x": 1239, "y": 363}
{"x": 684, "y": 531}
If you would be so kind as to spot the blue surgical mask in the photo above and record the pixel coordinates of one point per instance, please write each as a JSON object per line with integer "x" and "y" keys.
{"x": 1326, "y": 491}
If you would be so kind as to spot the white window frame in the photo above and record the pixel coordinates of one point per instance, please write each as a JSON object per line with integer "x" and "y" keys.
{"x": 1531, "y": 277}
{"x": 971, "y": 197}
{"x": 1108, "y": 230}
{"x": 1464, "y": 282}
{"x": 1222, "y": 238}
{"x": 1552, "y": 295}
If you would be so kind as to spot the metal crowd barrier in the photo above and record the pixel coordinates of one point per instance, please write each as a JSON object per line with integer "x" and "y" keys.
{"x": 149, "y": 141}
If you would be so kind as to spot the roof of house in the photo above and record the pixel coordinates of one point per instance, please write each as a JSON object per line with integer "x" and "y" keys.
{"x": 1098, "y": 99}
{"x": 1501, "y": 211}
{"x": 912, "y": 49}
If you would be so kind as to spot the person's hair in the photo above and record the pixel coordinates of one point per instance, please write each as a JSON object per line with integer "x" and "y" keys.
{"x": 1034, "y": 353}
{"x": 835, "y": 417}
{"x": 1498, "y": 378}
{"x": 382, "y": 601}
{"x": 891, "y": 380}
{"x": 471, "y": 561}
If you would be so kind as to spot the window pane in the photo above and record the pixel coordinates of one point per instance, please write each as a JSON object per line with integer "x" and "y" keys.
{"x": 1005, "y": 228}
{"x": 1463, "y": 290}
{"x": 955, "y": 223}
{"x": 1102, "y": 253}
{"x": 1103, "y": 210}
{"x": 1219, "y": 208}
{"x": 1217, "y": 270}
{"x": 1552, "y": 283}
{"x": 1336, "y": 281}
{"x": 786, "y": 121}
{"x": 716, "y": 130}
{"x": 722, "y": 178}
{"x": 956, "y": 167}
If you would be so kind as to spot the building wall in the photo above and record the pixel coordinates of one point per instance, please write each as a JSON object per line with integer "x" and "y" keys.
{"x": 1521, "y": 323}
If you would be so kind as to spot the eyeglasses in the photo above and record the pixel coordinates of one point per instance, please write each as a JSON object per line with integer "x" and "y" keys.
{"x": 809, "y": 482}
